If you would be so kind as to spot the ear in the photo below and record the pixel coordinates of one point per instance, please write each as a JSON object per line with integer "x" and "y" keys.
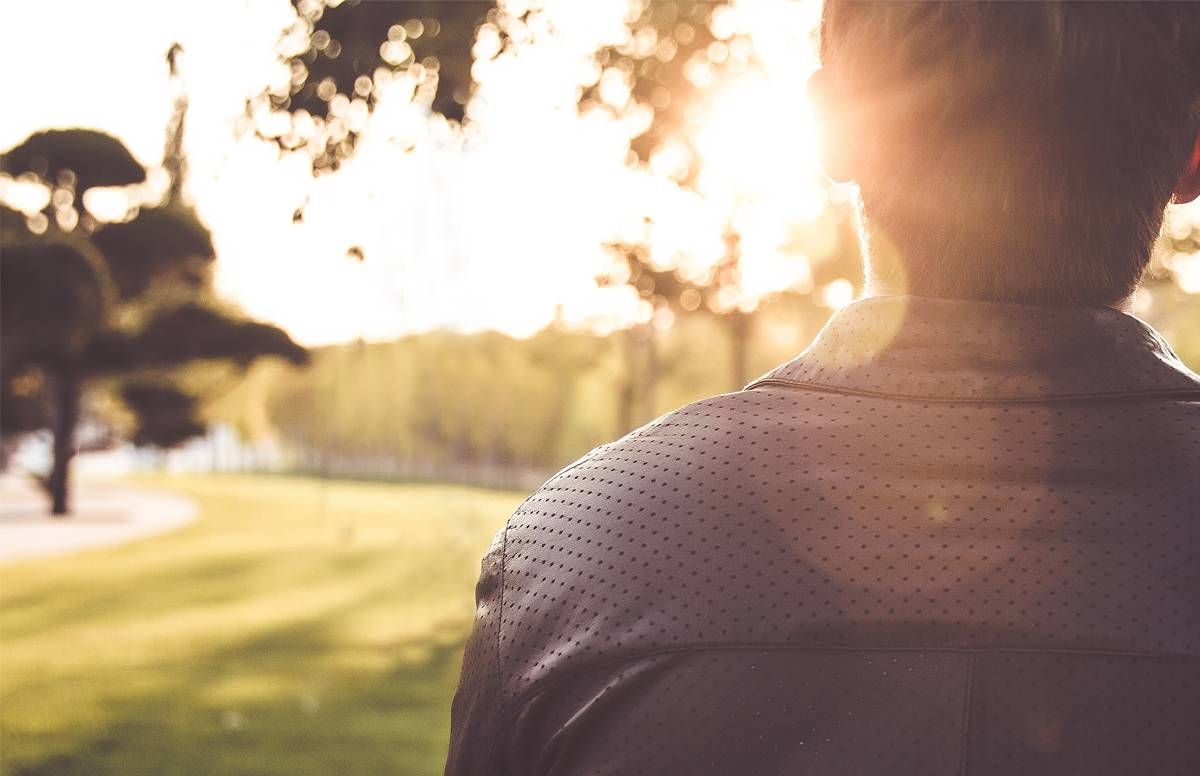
{"x": 833, "y": 139}
{"x": 1188, "y": 187}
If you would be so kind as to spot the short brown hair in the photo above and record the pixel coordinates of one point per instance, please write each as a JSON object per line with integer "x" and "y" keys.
{"x": 1017, "y": 151}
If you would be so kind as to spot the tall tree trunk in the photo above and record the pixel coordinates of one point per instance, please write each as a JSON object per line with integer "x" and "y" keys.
{"x": 636, "y": 401}
{"x": 625, "y": 395}
{"x": 649, "y": 389}
{"x": 738, "y": 325}
{"x": 66, "y": 417}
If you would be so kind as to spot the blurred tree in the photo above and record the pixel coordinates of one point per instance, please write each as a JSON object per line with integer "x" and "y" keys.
{"x": 487, "y": 408}
{"x": 77, "y": 308}
{"x": 1167, "y": 298}
{"x": 667, "y": 294}
{"x": 125, "y": 302}
{"x": 340, "y": 56}
{"x": 166, "y": 415}
{"x": 676, "y": 51}
{"x": 564, "y": 358}
{"x": 74, "y": 159}
{"x": 479, "y": 407}
{"x": 658, "y": 289}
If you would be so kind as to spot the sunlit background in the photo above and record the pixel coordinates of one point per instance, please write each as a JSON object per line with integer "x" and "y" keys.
{"x": 420, "y": 197}
{"x": 505, "y": 234}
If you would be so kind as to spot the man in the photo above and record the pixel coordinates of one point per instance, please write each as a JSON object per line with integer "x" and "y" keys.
{"x": 960, "y": 534}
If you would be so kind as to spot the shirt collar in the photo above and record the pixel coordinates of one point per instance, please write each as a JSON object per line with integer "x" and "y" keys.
{"x": 968, "y": 350}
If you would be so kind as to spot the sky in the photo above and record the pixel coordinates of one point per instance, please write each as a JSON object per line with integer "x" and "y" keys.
{"x": 503, "y": 230}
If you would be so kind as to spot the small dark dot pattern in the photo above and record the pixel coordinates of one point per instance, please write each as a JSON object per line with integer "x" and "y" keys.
{"x": 952, "y": 537}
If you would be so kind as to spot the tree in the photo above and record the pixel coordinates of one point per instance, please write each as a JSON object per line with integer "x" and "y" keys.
{"x": 125, "y": 301}
{"x": 89, "y": 305}
{"x": 340, "y": 56}
{"x": 675, "y": 50}
{"x": 74, "y": 160}
{"x": 657, "y": 290}
{"x": 678, "y": 52}
{"x": 667, "y": 293}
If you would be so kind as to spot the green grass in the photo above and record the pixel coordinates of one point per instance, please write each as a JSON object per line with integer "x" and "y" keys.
{"x": 297, "y": 627}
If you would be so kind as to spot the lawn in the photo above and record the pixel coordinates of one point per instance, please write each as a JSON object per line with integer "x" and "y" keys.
{"x": 297, "y": 627}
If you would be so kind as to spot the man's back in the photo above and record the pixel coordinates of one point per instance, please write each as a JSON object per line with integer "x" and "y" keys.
{"x": 953, "y": 537}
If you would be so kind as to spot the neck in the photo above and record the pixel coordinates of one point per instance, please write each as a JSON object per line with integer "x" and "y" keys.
{"x": 883, "y": 268}
{"x": 878, "y": 286}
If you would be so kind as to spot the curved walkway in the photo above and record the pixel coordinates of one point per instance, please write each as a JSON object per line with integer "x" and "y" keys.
{"x": 103, "y": 515}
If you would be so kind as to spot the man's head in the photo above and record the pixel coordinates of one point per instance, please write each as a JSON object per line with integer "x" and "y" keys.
{"x": 1012, "y": 151}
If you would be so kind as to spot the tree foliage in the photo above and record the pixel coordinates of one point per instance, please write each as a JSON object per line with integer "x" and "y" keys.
{"x": 54, "y": 295}
{"x": 161, "y": 241}
{"x": 462, "y": 406}
{"x": 339, "y": 56}
{"x": 165, "y": 415}
{"x": 194, "y": 331}
{"x": 121, "y": 301}
{"x": 675, "y": 50}
{"x": 85, "y": 158}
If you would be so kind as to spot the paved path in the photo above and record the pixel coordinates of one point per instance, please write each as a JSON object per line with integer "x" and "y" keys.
{"x": 103, "y": 515}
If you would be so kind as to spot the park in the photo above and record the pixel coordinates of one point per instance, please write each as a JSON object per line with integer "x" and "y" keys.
{"x": 296, "y": 626}
{"x": 301, "y": 300}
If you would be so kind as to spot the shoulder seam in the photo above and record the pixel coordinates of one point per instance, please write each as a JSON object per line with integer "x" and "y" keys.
{"x": 527, "y": 694}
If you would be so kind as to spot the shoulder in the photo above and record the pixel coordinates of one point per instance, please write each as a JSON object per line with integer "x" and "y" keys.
{"x": 593, "y": 556}
{"x": 648, "y": 468}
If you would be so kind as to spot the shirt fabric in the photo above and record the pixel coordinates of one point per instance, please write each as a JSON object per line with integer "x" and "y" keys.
{"x": 951, "y": 537}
